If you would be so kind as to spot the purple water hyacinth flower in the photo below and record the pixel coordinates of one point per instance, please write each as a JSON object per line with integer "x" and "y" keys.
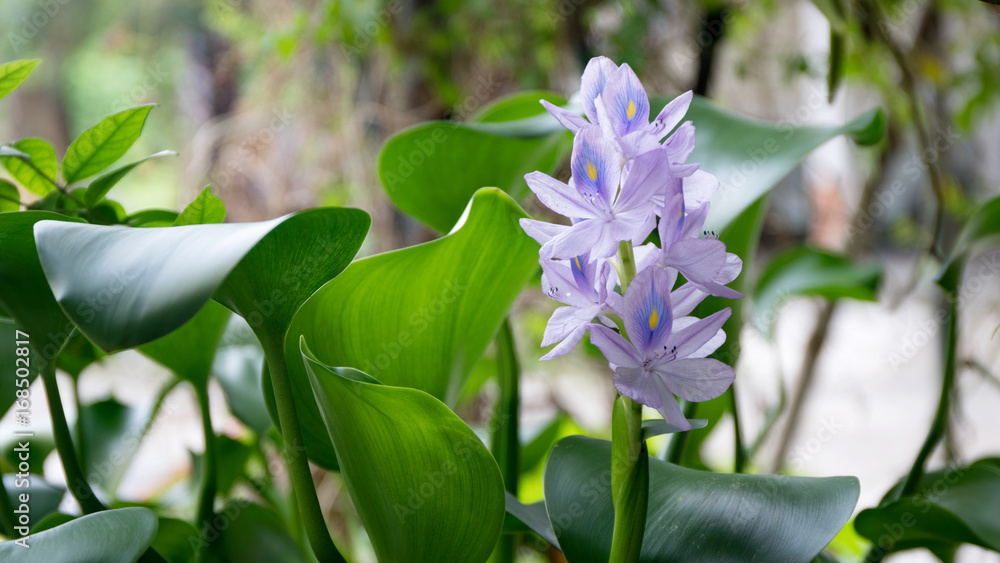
{"x": 602, "y": 215}
{"x": 614, "y": 99}
{"x": 583, "y": 286}
{"x": 703, "y": 261}
{"x": 663, "y": 357}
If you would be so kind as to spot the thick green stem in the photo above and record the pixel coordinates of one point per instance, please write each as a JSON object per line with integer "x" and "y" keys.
{"x": 76, "y": 481}
{"x": 295, "y": 457}
{"x": 938, "y": 426}
{"x": 506, "y": 445}
{"x": 629, "y": 480}
{"x": 629, "y": 458}
{"x": 206, "y": 507}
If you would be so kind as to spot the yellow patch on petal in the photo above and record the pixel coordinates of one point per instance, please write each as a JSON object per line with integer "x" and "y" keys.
{"x": 591, "y": 170}
{"x": 631, "y": 109}
{"x": 578, "y": 266}
{"x": 654, "y": 319}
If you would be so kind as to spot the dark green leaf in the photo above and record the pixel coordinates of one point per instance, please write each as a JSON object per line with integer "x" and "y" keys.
{"x": 12, "y": 74}
{"x": 205, "y": 209}
{"x": 424, "y": 486}
{"x": 448, "y": 296}
{"x": 78, "y": 354}
{"x": 951, "y": 506}
{"x": 112, "y": 536}
{"x": 103, "y": 144}
{"x": 531, "y": 516}
{"x": 41, "y": 445}
{"x": 659, "y": 427}
{"x": 190, "y": 350}
{"x": 111, "y": 434}
{"x": 253, "y": 534}
{"x": 43, "y": 498}
{"x": 24, "y": 292}
{"x": 176, "y": 540}
{"x": 10, "y": 198}
{"x": 694, "y": 515}
{"x": 750, "y": 157}
{"x": 38, "y": 172}
{"x": 810, "y": 271}
{"x": 125, "y": 287}
{"x": 101, "y": 186}
{"x": 51, "y": 521}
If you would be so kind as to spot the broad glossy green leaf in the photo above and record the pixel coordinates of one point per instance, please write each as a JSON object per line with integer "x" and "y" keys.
{"x": 238, "y": 367}
{"x": 111, "y": 536}
{"x": 750, "y": 157}
{"x": 10, "y": 198}
{"x": 419, "y": 317}
{"x": 254, "y": 534}
{"x": 190, "y": 350}
{"x": 951, "y": 506}
{"x": 810, "y": 271}
{"x": 51, "y": 521}
{"x": 12, "y": 74}
{"x": 983, "y": 227}
{"x": 125, "y": 287}
{"x": 24, "y": 292}
{"x": 431, "y": 170}
{"x": 103, "y": 144}
{"x": 516, "y": 106}
{"x": 111, "y": 434}
{"x": 38, "y": 172}
{"x": 424, "y": 485}
{"x": 205, "y": 209}
{"x": 101, "y": 186}
{"x": 43, "y": 497}
{"x": 8, "y": 349}
{"x": 694, "y": 515}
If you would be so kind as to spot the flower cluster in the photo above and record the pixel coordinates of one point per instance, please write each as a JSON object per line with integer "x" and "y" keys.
{"x": 626, "y": 181}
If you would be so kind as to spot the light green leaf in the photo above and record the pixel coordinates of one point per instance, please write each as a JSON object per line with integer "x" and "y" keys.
{"x": 38, "y": 172}
{"x": 694, "y": 515}
{"x": 103, "y": 144}
{"x": 152, "y": 218}
{"x": 10, "y": 198}
{"x": 205, "y": 209}
{"x": 983, "y": 227}
{"x": 951, "y": 506}
{"x": 101, "y": 186}
{"x": 516, "y": 106}
{"x": 176, "y": 540}
{"x": 530, "y": 516}
{"x": 424, "y": 486}
{"x": 149, "y": 282}
{"x": 111, "y": 434}
{"x": 420, "y": 317}
{"x": 112, "y": 536}
{"x": 810, "y": 271}
{"x": 190, "y": 350}
{"x": 430, "y": 171}
{"x": 12, "y": 74}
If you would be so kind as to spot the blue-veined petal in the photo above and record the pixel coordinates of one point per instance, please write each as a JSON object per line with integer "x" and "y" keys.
{"x": 626, "y": 102}
{"x": 646, "y": 179}
{"x": 596, "y": 167}
{"x": 699, "y": 379}
{"x": 671, "y": 115}
{"x": 558, "y": 196}
{"x": 647, "y": 315}
{"x": 619, "y": 352}
{"x": 689, "y": 340}
{"x": 595, "y": 76}
{"x": 567, "y": 119}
